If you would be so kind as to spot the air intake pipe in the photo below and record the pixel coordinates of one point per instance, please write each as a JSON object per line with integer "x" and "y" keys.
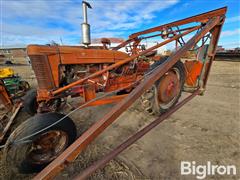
{"x": 86, "y": 39}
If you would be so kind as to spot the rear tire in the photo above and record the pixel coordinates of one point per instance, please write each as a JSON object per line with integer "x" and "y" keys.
{"x": 30, "y": 102}
{"x": 150, "y": 99}
{"x": 33, "y": 156}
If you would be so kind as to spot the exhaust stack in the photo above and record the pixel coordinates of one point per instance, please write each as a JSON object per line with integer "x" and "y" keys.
{"x": 86, "y": 39}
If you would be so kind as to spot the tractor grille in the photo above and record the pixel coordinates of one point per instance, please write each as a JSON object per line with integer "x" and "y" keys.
{"x": 42, "y": 71}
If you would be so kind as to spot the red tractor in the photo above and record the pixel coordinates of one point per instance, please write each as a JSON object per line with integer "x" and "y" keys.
{"x": 102, "y": 75}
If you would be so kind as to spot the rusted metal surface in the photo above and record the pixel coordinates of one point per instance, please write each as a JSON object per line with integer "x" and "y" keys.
{"x": 102, "y": 162}
{"x": 57, "y": 56}
{"x": 131, "y": 58}
{"x": 204, "y": 17}
{"x": 107, "y": 100}
{"x": 88, "y": 136}
{"x": 216, "y": 34}
{"x": 42, "y": 71}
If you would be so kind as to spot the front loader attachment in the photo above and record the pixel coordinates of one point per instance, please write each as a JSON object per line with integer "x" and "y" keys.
{"x": 202, "y": 32}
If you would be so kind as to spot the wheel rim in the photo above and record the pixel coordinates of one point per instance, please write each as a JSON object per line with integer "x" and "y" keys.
{"x": 47, "y": 147}
{"x": 169, "y": 88}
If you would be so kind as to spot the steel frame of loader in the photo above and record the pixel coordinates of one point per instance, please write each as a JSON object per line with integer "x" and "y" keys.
{"x": 210, "y": 22}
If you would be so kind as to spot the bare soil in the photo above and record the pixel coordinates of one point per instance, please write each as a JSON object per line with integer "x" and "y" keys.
{"x": 205, "y": 129}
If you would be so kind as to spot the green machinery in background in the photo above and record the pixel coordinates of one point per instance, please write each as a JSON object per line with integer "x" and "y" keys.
{"x": 13, "y": 83}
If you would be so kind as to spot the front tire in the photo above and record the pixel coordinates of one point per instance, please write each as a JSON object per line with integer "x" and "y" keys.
{"x": 30, "y": 102}
{"x": 36, "y": 152}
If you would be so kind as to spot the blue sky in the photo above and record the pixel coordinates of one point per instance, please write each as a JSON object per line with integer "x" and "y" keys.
{"x": 41, "y": 21}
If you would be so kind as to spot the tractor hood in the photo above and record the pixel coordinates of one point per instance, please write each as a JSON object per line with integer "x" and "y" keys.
{"x": 77, "y": 54}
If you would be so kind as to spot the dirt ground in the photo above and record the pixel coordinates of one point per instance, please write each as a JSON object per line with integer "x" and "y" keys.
{"x": 205, "y": 129}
